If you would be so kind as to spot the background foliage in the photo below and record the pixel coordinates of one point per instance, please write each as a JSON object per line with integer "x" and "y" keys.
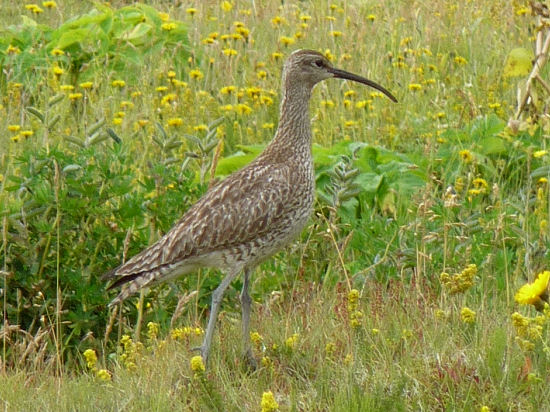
{"x": 116, "y": 118}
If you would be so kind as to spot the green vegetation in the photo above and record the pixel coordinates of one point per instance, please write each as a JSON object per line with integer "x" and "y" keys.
{"x": 400, "y": 295}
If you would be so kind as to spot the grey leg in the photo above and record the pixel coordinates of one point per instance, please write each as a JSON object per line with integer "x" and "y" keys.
{"x": 246, "y": 301}
{"x": 214, "y": 309}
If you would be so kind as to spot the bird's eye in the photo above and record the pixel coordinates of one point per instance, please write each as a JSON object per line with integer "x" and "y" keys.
{"x": 318, "y": 63}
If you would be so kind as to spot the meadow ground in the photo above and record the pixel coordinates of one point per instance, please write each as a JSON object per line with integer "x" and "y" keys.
{"x": 401, "y": 294}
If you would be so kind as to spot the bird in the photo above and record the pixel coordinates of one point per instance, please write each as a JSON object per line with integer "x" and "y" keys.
{"x": 251, "y": 214}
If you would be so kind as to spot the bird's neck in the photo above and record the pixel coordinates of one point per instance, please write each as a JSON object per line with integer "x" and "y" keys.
{"x": 293, "y": 136}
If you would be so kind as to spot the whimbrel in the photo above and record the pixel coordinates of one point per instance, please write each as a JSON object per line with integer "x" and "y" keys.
{"x": 251, "y": 214}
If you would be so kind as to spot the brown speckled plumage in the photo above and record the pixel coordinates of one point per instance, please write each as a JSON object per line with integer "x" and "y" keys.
{"x": 251, "y": 214}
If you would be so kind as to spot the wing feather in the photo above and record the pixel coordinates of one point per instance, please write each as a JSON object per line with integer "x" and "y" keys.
{"x": 241, "y": 208}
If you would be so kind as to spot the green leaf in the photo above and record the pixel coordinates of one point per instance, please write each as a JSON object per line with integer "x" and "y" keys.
{"x": 518, "y": 63}
{"x": 72, "y": 37}
{"x": 35, "y": 112}
{"x": 136, "y": 34}
{"x": 370, "y": 182}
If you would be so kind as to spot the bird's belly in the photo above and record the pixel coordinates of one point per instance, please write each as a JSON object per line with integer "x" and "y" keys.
{"x": 256, "y": 251}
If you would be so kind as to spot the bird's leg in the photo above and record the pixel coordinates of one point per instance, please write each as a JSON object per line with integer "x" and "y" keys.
{"x": 246, "y": 301}
{"x": 217, "y": 297}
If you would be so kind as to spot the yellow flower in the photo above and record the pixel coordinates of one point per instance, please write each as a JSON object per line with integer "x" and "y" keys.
{"x": 86, "y": 85}
{"x": 371, "y": 17}
{"x": 33, "y": 8}
{"x": 353, "y": 299}
{"x": 164, "y": 16}
{"x": 336, "y": 33}
{"x": 266, "y": 100}
{"x": 330, "y": 348}
{"x": 229, "y": 52}
{"x": 415, "y": 87}
{"x": 104, "y": 375}
{"x": 268, "y": 126}
{"x": 256, "y": 339}
{"x": 197, "y": 364}
{"x": 126, "y": 104}
{"x": 152, "y": 330}
{"x": 13, "y": 50}
{"x": 467, "y": 315}
{"x": 540, "y": 153}
{"x": 14, "y": 127}
{"x": 118, "y": 83}
{"x": 228, "y": 89}
{"x": 466, "y": 156}
{"x": 169, "y": 98}
{"x": 531, "y": 293}
{"x": 291, "y": 342}
{"x": 191, "y": 11}
{"x": 480, "y": 184}
{"x": 175, "y": 121}
{"x": 58, "y": 71}
{"x": 461, "y": 61}
{"x": 277, "y": 21}
{"x": 243, "y": 109}
{"x": 268, "y": 403}
{"x": 522, "y": 11}
{"x": 226, "y": 6}
{"x": 327, "y": 103}
{"x": 168, "y": 26}
{"x": 90, "y": 357}
{"x": 57, "y": 52}
{"x": 26, "y": 133}
{"x": 286, "y": 41}
{"x": 75, "y": 96}
{"x": 49, "y": 4}
{"x": 196, "y": 74}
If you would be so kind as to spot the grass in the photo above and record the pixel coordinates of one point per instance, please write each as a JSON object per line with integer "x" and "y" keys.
{"x": 355, "y": 316}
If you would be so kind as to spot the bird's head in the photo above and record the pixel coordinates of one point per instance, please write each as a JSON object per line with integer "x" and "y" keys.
{"x": 309, "y": 67}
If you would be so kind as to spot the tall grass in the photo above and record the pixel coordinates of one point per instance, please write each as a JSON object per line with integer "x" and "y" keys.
{"x": 355, "y": 316}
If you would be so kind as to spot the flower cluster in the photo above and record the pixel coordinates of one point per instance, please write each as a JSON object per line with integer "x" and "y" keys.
{"x": 355, "y": 315}
{"x": 459, "y": 282}
{"x": 268, "y": 403}
{"x": 130, "y": 352}
{"x": 185, "y": 332}
{"x": 91, "y": 361}
{"x": 528, "y": 330}
{"x": 197, "y": 365}
{"x": 467, "y": 315}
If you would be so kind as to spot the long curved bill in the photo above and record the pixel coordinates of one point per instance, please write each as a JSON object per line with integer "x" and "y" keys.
{"x": 342, "y": 74}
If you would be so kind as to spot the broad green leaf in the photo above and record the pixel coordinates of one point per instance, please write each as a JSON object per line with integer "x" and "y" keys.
{"x": 136, "y": 33}
{"x": 518, "y": 63}
{"x": 493, "y": 145}
{"x": 230, "y": 164}
{"x": 370, "y": 182}
{"x": 72, "y": 37}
